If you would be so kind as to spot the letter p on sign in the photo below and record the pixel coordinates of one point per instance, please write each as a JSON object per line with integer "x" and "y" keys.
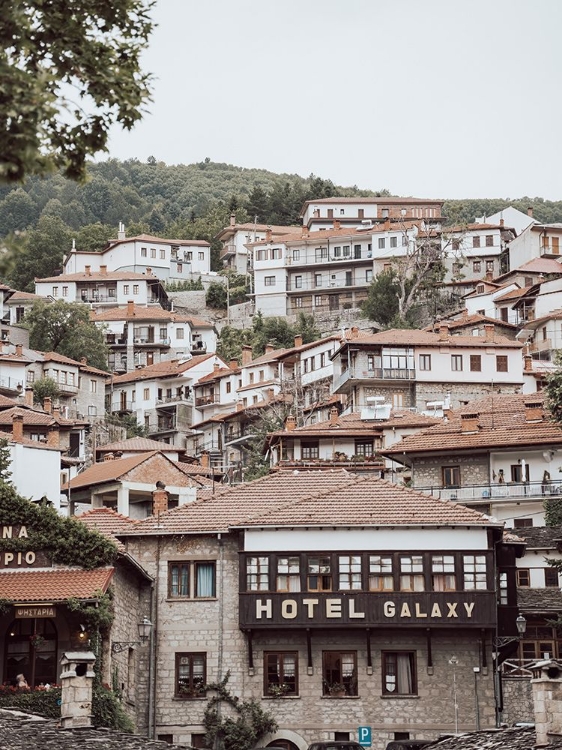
{"x": 364, "y": 734}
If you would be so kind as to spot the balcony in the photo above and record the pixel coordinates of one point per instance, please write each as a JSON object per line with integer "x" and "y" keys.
{"x": 202, "y": 401}
{"x": 378, "y": 373}
{"x": 228, "y": 250}
{"x": 141, "y": 340}
{"x": 331, "y": 259}
{"x": 11, "y": 384}
{"x": 122, "y": 407}
{"x": 67, "y": 387}
{"x": 97, "y": 297}
{"x": 477, "y": 493}
{"x": 541, "y": 346}
{"x": 179, "y": 398}
{"x": 198, "y": 347}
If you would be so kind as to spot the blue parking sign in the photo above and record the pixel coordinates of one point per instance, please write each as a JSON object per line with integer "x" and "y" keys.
{"x": 365, "y": 736}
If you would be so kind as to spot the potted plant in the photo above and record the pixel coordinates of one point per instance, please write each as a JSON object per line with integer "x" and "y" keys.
{"x": 278, "y": 690}
{"x": 36, "y": 640}
{"x": 336, "y": 689}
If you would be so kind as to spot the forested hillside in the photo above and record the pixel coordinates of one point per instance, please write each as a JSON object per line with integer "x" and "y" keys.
{"x": 40, "y": 219}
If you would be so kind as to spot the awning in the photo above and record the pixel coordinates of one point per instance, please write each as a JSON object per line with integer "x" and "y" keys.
{"x": 53, "y": 585}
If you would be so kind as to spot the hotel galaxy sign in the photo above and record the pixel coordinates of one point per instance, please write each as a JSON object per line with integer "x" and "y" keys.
{"x": 427, "y": 609}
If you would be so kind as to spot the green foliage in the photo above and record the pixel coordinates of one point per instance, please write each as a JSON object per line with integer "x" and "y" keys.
{"x": 193, "y": 285}
{"x": 107, "y": 710}
{"x": 68, "y": 73}
{"x": 553, "y": 512}
{"x": 98, "y": 615}
{"x": 35, "y": 701}
{"x": 268, "y": 420}
{"x": 65, "y": 540}
{"x": 43, "y": 388}
{"x": 65, "y": 327}
{"x": 129, "y": 422}
{"x": 5, "y": 462}
{"x": 238, "y": 725}
{"x": 216, "y": 296}
{"x": 40, "y": 252}
{"x": 554, "y": 391}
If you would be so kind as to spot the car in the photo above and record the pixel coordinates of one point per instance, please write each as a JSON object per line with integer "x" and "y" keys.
{"x": 408, "y": 744}
{"x": 335, "y": 745}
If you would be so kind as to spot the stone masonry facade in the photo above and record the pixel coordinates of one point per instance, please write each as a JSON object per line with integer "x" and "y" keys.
{"x": 473, "y": 470}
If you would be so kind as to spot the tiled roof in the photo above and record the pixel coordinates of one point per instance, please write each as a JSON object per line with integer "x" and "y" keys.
{"x": 16, "y": 296}
{"x": 312, "y": 498}
{"x": 414, "y": 337}
{"x": 502, "y": 424}
{"x": 31, "y": 417}
{"x": 511, "y": 738}
{"x": 541, "y": 537}
{"x": 108, "y": 522}
{"x": 6, "y": 403}
{"x": 53, "y": 585}
{"x": 222, "y": 372}
{"x": 166, "y": 369}
{"x": 352, "y": 424}
{"x": 194, "y": 470}
{"x": 36, "y": 444}
{"x": 138, "y": 445}
{"x": 390, "y": 200}
{"x": 513, "y": 294}
{"x": 471, "y": 320}
{"x": 161, "y": 240}
{"x": 540, "y": 600}
{"x": 106, "y": 471}
{"x": 56, "y": 357}
{"x": 96, "y": 276}
{"x": 304, "y": 235}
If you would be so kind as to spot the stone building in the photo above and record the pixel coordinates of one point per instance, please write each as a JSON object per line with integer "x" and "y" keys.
{"x": 336, "y": 600}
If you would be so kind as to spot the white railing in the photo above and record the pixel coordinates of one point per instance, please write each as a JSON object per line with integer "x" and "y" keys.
{"x": 493, "y": 491}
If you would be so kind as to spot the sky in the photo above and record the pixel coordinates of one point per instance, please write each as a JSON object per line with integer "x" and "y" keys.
{"x": 428, "y": 98}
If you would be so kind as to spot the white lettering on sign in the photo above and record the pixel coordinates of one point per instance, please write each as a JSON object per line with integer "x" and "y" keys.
{"x": 436, "y": 611}
{"x": 263, "y": 609}
{"x": 469, "y": 607}
{"x": 28, "y": 612}
{"x": 310, "y": 604}
{"x": 389, "y": 609}
{"x": 19, "y": 558}
{"x": 8, "y": 532}
{"x": 333, "y": 607}
{"x": 419, "y": 613}
{"x": 352, "y": 613}
{"x": 289, "y": 609}
{"x": 452, "y": 610}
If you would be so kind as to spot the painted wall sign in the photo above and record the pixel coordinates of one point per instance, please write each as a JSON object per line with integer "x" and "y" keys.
{"x": 40, "y": 610}
{"x": 16, "y": 559}
{"x": 399, "y": 609}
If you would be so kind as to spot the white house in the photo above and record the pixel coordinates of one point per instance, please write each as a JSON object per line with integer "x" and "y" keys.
{"x": 536, "y": 241}
{"x": 511, "y": 217}
{"x": 235, "y": 239}
{"x": 352, "y": 211}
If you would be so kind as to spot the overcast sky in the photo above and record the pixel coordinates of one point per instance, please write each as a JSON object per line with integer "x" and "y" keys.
{"x": 430, "y": 98}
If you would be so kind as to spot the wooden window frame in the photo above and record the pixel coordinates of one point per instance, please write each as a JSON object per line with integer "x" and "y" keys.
{"x": 285, "y": 684}
{"x": 389, "y": 661}
{"x": 335, "y": 683}
{"x": 193, "y": 690}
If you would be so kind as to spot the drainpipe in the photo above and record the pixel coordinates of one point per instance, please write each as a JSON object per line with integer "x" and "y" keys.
{"x": 153, "y": 677}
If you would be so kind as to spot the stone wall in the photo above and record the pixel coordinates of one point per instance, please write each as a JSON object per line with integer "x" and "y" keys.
{"x": 517, "y": 700}
{"x": 460, "y": 393}
{"x": 427, "y": 472}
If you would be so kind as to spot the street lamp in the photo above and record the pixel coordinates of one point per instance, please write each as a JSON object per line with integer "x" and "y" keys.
{"x": 521, "y": 625}
{"x": 144, "y": 628}
{"x": 453, "y": 661}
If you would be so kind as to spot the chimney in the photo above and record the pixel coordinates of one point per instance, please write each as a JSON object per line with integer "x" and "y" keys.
{"x": 233, "y": 364}
{"x": 216, "y": 367}
{"x": 527, "y": 363}
{"x": 290, "y": 423}
{"x": 469, "y": 422}
{"x": 269, "y": 394}
{"x": 443, "y": 331}
{"x": 77, "y": 679}
{"x": 489, "y": 329}
{"x": 533, "y": 411}
{"x": 387, "y": 223}
{"x": 47, "y": 404}
{"x": 83, "y": 361}
{"x": 337, "y": 224}
{"x": 205, "y": 460}
{"x": 53, "y": 437}
{"x": 246, "y": 355}
{"x": 334, "y": 415}
{"x": 130, "y": 308}
{"x": 19, "y": 350}
{"x": 121, "y": 231}
{"x": 28, "y": 398}
{"x": 546, "y": 687}
{"x": 530, "y": 211}
{"x": 464, "y": 315}
{"x": 88, "y": 270}
{"x": 304, "y": 232}
{"x": 159, "y": 500}
{"x": 17, "y": 428}
{"x": 268, "y": 234}
{"x": 239, "y": 405}
{"x": 353, "y": 332}
{"x": 103, "y": 270}
{"x": 149, "y": 271}
{"x": 269, "y": 347}
{"x": 298, "y": 340}
{"x": 489, "y": 276}
{"x": 108, "y": 457}
{"x": 56, "y": 411}
{"x": 502, "y": 223}
{"x": 232, "y": 220}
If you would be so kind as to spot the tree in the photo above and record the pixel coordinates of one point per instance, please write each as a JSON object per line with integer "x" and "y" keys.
{"x": 68, "y": 71}
{"x": 45, "y": 388}
{"x": 42, "y": 253}
{"x": 216, "y": 296}
{"x": 65, "y": 327}
{"x": 5, "y": 462}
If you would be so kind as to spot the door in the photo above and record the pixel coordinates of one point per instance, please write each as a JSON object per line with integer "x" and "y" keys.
{"x": 31, "y": 650}
{"x": 334, "y": 301}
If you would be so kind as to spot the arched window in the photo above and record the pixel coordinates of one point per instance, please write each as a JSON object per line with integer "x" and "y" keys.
{"x": 31, "y": 650}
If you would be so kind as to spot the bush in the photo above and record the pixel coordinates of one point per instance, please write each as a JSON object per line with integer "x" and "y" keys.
{"x": 38, "y": 701}
{"x": 108, "y": 712}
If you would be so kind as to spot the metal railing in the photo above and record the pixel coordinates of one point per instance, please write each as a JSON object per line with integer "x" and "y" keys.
{"x": 11, "y": 384}
{"x": 494, "y": 491}
{"x": 378, "y": 373}
{"x": 206, "y": 400}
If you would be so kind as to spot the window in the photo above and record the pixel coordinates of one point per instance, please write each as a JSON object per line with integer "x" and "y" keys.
{"x": 489, "y": 240}
{"x": 297, "y": 302}
{"x": 350, "y": 573}
{"x": 337, "y": 251}
{"x": 251, "y": 377}
{"x": 522, "y": 523}
{"x": 322, "y": 359}
{"x": 502, "y": 587}
{"x": 451, "y": 476}
{"x": 269, "y": 281}
{"x": 179, "y": 267}
{"x": 153, "y": 252}
{"x": 339, "y": 673}
{"x": 474, "y": 572}
{"x": 189, "y": 256}
{"x": 162, "y": 254}
{"x": 318, "y": 300}
{"x": 489, "y": 266}
{"x": 65, "y": 291}
{"x": 55, "y": 291}
{"x": 111, "y": 292}
{"x": 262, "y": 375}
{"x": 456, "y": 362}
{"x": 93, "y": 386}
{"x": 143, "y": 252}
{"x": 411, "y": 573}
{"x": 319, "y": 574}
{"x": 179, "y": 333}
{"x": 382, "y": 242}
{"x": 190, "y": 676}
{"x": 146, "y": 394}
{"x": 346, "y": 251}
{"x": 425, "y": 362}
{"x": 254, "y": 399}
{"x": 475, "y": 363}
{"x": 397, "y": 400}
{"x": 342, "y": 211}
{"x": 309, "y": 448}
{"x": 228, "y": 387}
{"x": 501, "y": 363}
{"x": 288, "y": 573}
{"x": 280, "y": 672}
{"x": 125, "y": 289}
{"x": 399, "y": 673}
{"x": 320, "y": 253}
{"x": 443, "y": 573}
{"x": 551, "y": 577}
{"x": 192, "y": 580}
{"x": 317, "y": 279}
{"x": 369, "y": 275}
{"x": 357, "y": 251}
{"x": 523, "y": 577}
{"x": 257, "y": 574}
{"x": 364, "y": 448}
{"x": 394, "y": 242}
{"x": 298, "y": 282}
{"x": 201, "y": 255}
{"x": 296, "y": 254}
{"x": 135, "y": 288}
{"x": 476, "y": 266}
{"x": 476, "y": 241}
{"x": 380, "y": 573}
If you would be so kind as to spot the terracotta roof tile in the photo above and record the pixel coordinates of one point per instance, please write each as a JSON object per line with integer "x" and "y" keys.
{"x": 471, "y": 320}
{"x": 108, "y": 522}
{"x": 161, "y": 240}
{"x": 352, "y": 424}
{"x": 166, "y": 369}
{"x": 513, "y": 294}
{"x": 56, "y": 357}
{"x": 98, "y": 276}
{"x": 139, "y": 445}
{"x": 414, "y": 337}
{"x": 311, "y": 498}
{"x": 54, "y": 585}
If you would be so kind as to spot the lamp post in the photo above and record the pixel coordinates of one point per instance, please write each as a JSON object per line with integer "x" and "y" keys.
{"x": 453, "y": 661}
{"x": 144, "y": 629}
{"x": 499, "y": 641}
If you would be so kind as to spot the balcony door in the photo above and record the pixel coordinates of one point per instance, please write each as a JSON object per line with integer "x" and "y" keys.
{"x": 31, "y": 650}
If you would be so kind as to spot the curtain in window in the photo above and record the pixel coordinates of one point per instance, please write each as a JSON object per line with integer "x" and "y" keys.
{"x": 205, "y": 579}
{"x": 404, "y": 674}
